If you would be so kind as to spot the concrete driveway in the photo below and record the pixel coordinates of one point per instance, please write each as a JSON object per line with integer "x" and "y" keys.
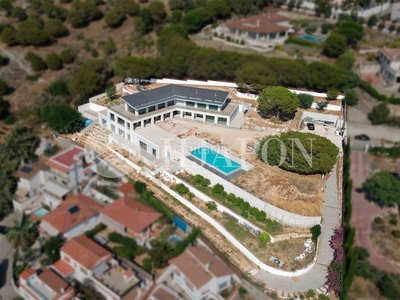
{"x": 6, "y": 254}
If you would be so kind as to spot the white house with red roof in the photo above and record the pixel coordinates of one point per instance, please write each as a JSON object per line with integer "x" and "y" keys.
{"x": 44, "y": 284}
{"x": 131, "y": 217}
{"x": 389, "y": 59}
{"x": 198, "y": 274}
{"x": 72, "y": 217}
{"x": 83, "y": 259}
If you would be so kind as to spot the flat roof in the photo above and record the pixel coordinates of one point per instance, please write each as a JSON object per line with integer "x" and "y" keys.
{"x": 175, "y": 92}
{"x": 156, "y": 135}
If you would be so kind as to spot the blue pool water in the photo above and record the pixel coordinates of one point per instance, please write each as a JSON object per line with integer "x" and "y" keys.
{"x": 216, "y": 160}
{"x": 175, "y": 239}
{"x": 87, "y": 122}
{"x": 41, "y": 212}
{"x": 311, "y": 38}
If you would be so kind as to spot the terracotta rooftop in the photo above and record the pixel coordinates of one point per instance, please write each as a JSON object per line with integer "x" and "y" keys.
{"x": 71, "y": 212}
{"x": 28, "y": 171}
{"x": 27, "y": 273}
{"x": 132, "y": 214}
{"x": 260, "y": 24}
{"x": 67, "y": 157}
{"x": 127, "y": 189}
{"x": 200, "y": 266}
{"x": 160, "y": 292}
{"x": 53, "y": 281}
{"x": 63, "y": 268}
{"x": 392, "y": 54}
{"x": 86, "y": 252}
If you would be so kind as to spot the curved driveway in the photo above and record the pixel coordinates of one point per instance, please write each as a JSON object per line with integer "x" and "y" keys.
{"x": 316, "y": 277}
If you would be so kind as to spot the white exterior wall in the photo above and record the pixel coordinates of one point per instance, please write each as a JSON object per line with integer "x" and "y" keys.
{"x": 82, "y": 227}
{"x": 78, "y": 274}
{"x": 150, "y": 146}
{"x": 51, "y": 201}
{"x": 105, "y": 291}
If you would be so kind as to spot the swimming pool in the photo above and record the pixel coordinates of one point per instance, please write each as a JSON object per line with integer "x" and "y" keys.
{"x": 311, "y": 38}
{"x": 175, "y": 238}
{"x": 87, "y": 122}
{"x": 41, "y": 212}
{"x": 216, "y": 160}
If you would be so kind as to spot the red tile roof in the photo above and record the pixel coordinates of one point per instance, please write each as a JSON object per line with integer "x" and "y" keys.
{"x": 86, "y": 252}
{"x": 131, "y": 214}
{"x": 66, "y": 158}
{"x": 28, "y": 171}
{"x": 159, "y": 292}
{"x": 27, "y": 273}
{"x": 260, "y": 24}
{"x": 63, "y": 268}
{"x": 392, "y": 54}
{"x": 200, "y": 266}
{"x": 128, "y": 190}
{"x": 53, "y": 281}
{"x": 62, "y": 217}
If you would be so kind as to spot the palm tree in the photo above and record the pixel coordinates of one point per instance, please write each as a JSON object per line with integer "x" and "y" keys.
{"x": 21, "y": 236}
{"x": 19, "y": 142}
{"x": 160, "y": 253}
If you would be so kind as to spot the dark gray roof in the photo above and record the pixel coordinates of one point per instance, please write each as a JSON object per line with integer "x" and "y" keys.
{"x": 175, "y": 92}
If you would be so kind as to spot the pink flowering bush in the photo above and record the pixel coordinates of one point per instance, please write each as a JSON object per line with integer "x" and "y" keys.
{"x": 335, "y": 269}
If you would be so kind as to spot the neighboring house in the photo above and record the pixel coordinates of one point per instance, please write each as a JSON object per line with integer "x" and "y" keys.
{"x": 44, "y": 284}
{"x": 163, "y": 292}
{"x": 83, "y": 259}
{"x": 131, "y": 217}
{"x": 72, "y": 217}
{"x": 263, "y": 30}
{"x": 69, "y": 170}
{"x": 389, "y": 59}
{"x": 198, "y": 274}
{"x": 31, "y": 179}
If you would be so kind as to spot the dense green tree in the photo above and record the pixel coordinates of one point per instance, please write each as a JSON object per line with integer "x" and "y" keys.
{"x": 111, "y": 92}
{"x": 299, "y": 152}
{"x": 85, "y": 83}
{"x": 351, "y": 97}
{"x": 7, "y": 6}
{"x": 55, "y": 27}
{"x": 379, "y": 114}
{"x": 176, "y": 4}
{"x": 19, "y": 142}
{"x": 346, "y": 60}
{"x": 175, "y": 17}
{"x": 353, "y": 31}
{"x": 277, "y": 100}
{"x": 58, "y": 88}
{"x": 114, "y": 17}
{"x": 323, "y": 8}
{"x": 389, "y": 286}
{"x": 372, "y": 21}
{"x": 67, "y": 56}
{"x": 361, "y": 253}
{"x": 305, "y": 100}
{"x": 323, "y": 76}
{"x": 9, "y": 36}
{"x": 160, "y": 253}
{"x": 83, "y": 12}
{"x": 130, "y": 66}
{"x": 383, "y": 188}
{"x": 37, "y": 63}
{"x": 21, "y": 236}
{"x": 130, "y": 7}
{"x": 4, "y": 88}
{"x": 315, "y": 232}
{"x": 57, "y": 115}
{"x": 335, "y": 45}
{"x": 4, "y": 60}
{"x": 18, "y": 13}
{"x": 51, "y": 249}
{"x": 53, "y": 61}
{"x": 146, "y": 24}
{"x": 220, "y": 7}
{"x": 157, "y": 11}
{"x": 77, "y": 18}
{"x": 195, "y": 19}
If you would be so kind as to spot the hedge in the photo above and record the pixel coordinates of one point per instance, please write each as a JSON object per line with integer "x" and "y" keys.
{"x": 375, "y": 94}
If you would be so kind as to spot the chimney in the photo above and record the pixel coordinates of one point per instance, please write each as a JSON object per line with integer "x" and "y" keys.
{"x": 62, "y": 290}
{"x": 208, "y": 265}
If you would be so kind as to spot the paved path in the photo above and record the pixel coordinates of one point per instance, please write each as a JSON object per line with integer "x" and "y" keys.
{"x": 6, "y": 254}
{"x": 365, "y": 211}
{"x": 316, "y": 277}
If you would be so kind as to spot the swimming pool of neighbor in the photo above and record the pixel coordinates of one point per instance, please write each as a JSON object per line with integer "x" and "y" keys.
{"x": 175, "y": 238}
{"x": 87, "y": 122}
{"x": 311, "y": 38}
{"x": 41, "y": 212}
{"x": 215, "y": 160}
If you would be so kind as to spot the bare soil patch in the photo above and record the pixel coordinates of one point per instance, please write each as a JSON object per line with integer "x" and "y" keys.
{"x": 364, "y": 289}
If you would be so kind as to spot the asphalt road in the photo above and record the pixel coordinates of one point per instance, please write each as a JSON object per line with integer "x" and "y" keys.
{"x": 6, "y": 253}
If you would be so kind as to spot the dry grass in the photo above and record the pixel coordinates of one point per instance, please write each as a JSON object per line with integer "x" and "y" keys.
{"x": 363, "y": 289}
{"x": 296, "y": 193}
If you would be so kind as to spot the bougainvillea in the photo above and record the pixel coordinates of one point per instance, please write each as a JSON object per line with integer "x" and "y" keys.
{"x": 335, "y": 269}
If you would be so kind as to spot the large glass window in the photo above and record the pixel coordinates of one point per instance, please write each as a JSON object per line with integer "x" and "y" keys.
{"x": 121, "y": 132}
{"x": 128, "y": 125}
{"x": 112, "y": 117}
{"x": 213, "y": 107}
{"x": 128, "y": 136}
{"x": 170, "y": 103}
{"x": 142, "y": 111}
{"x": 143, "y": 145}
{"x": 121, "y": 121}
{"x": 104, "y": 121}
{"x": 189, "y": 103}
{"x": 112, "y": 128}
{"x": 154, "y": 152}
{"x": 152, "y": 108}
{"x": 222, "y": 121}
{"x": 201, "y": 105}
{"x": 210, "y": 119}
{"x": 161, "y": 105}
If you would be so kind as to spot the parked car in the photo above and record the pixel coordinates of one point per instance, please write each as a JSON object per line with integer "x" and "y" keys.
{"x": 310, "y": 126}
{"x": 362, "y": 137}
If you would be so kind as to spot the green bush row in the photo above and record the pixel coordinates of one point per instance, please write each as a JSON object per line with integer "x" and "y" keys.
{"x": 92, "y": 232}
{"x": 375, "y": 94}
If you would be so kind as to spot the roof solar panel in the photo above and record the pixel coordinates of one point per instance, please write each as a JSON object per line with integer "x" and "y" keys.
{"x": 26, "y": 169}
{"x": 73, "y": 210}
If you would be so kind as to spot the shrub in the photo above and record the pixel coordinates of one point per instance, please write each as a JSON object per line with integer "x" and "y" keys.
{"x": 351, "y": 97}
{"x": 315, "y": 232}
{"x": 264, "y": 237}
{"x": 396, "y": 234}
{"x": 217, "y": 189}
{"x": 361, "y": 253}
{"x": 4, "y": 60}
{"x": 305, "y": 100}
{"x": 211, "y": 205}
{"x": 310, "y": 294}
{"x": 181, "y": 189}
{"x": 58, "y": 88}
{"x": 33, "y": 77}
{"x": 393, "y": 221}
{"x": 242, "y": 292}
{"x": 98, "y": 228}
{"x": 37, "y": 63}
{"x": 378, "y": 220}
{"x": 332, "y": 94}
{"x": 4, "y": 88}
{"x": 67, "y": 57}
{"x": 322, "y": 105}
{"x": 53, "y": 61}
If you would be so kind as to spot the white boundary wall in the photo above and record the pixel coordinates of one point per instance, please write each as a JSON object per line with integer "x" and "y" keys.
{"x": 197, "y": 82}
{"x": 273, "y": 212}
